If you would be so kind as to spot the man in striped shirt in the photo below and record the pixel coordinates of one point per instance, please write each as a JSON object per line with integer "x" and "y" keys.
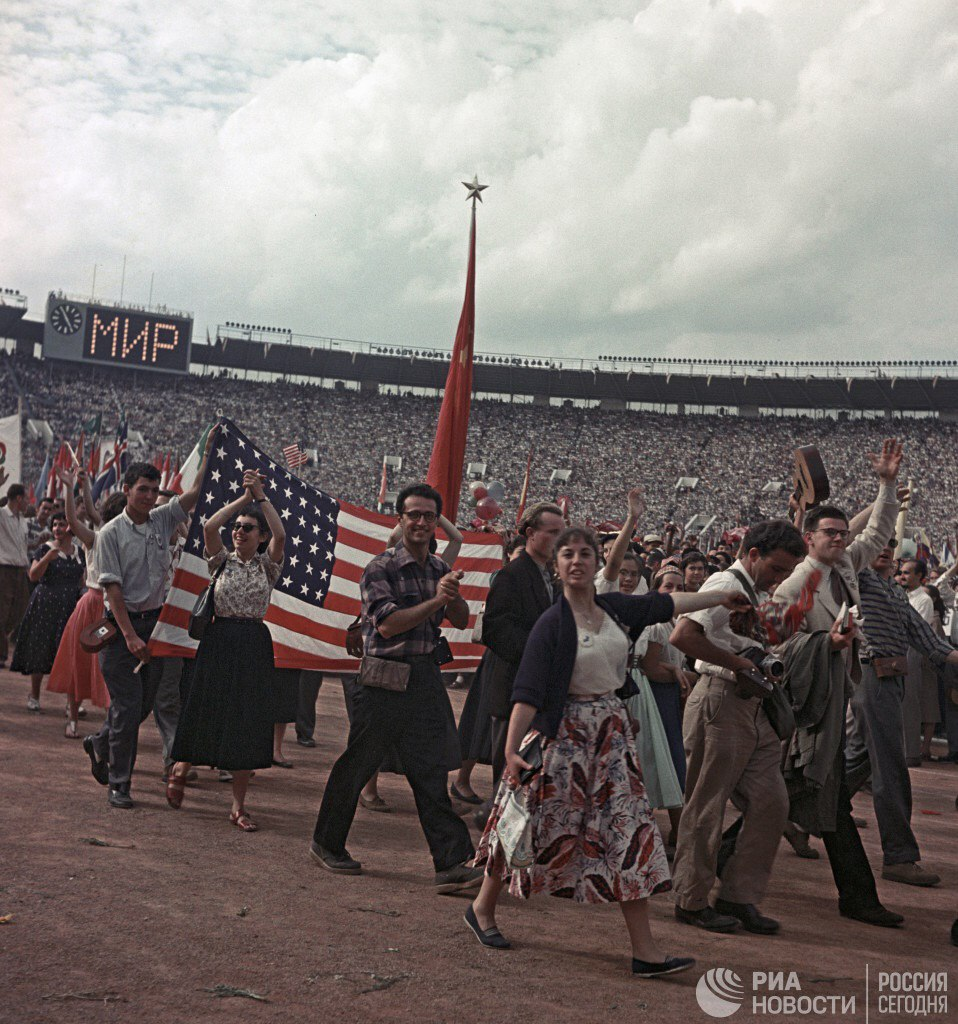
{"x": 891, "y": 625}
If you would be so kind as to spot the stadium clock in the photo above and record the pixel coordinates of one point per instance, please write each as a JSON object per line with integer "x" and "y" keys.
{"x": 66, "y": 318}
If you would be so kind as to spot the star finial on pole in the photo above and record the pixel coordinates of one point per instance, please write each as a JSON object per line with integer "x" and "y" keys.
{"x": 474, "y": 189}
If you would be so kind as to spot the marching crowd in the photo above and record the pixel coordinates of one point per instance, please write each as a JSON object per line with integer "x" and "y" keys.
{"x": 623, "y": 674}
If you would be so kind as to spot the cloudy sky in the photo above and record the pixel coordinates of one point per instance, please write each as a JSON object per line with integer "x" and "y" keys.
{"x": 724, "y": 178}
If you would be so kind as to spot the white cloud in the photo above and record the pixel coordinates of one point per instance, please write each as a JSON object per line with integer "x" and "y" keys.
{"x": 681, "y": 176}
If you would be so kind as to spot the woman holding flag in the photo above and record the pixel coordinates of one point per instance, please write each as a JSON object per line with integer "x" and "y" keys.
{"x": 227, "y": 722}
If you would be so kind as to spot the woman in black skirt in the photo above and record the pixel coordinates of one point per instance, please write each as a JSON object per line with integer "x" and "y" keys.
{"x": 228, "y": 719}
{"x": 57, "y": 569}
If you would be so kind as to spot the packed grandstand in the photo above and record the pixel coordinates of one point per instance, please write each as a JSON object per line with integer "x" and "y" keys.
{"x": 734, "y": 461}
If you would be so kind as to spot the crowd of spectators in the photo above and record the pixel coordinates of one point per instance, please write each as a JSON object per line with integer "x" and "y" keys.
{"x": 606, "y": 451}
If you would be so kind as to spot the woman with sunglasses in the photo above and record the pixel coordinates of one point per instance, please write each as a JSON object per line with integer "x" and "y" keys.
{"x": 593, "y": 836}
{"x": 228, "y": 719}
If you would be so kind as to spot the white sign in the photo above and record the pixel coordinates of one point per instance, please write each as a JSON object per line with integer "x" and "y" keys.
{"x": 10, "y": 466}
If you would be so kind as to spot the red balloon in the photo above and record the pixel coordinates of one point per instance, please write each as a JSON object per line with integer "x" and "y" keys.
{"x": 479, "y": 492}
{"x": 488, "y": 509}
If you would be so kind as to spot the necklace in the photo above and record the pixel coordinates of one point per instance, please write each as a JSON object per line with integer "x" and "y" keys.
{"x": 587, "y": 627}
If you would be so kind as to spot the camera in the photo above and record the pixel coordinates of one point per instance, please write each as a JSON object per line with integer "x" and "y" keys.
{"x": 770, "y": 666}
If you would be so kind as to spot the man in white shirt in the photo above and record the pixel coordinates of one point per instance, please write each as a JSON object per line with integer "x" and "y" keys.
{"x": 731, "y": 748}
{"x": 14, "y": 561}
{"x": 133, "y": 556}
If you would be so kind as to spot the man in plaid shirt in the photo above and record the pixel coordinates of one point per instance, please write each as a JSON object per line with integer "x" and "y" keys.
{"x": 406, "y": 594}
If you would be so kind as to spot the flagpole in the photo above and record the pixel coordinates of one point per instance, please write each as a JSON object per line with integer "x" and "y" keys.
{"x": 449, "y": 446}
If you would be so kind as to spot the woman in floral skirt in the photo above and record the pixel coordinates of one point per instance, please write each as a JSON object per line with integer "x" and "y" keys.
{"x": 593, "y": 837}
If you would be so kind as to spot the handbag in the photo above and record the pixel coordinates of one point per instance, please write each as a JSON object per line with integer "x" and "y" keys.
{"x": 531, "y": 753}
{"x": 382, "y": 674}
{"x": 779, "y": 711}
{"x": 202, "y": 614}
{"x": 514, "y": 829}
{"x": 354, "y": 638}
{"x": 97, "y": 635}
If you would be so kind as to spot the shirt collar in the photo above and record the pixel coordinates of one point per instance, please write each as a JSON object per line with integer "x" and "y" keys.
{"x": 740, "y": 565}
{"x": 404, "y": 558}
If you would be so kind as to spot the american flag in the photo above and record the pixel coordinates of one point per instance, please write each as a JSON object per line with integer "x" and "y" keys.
{"x": 328, "y": 544}
{"x": 294, "y": 456}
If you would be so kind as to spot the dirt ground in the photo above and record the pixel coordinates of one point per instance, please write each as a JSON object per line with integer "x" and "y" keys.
{"x": 180, "y": 902}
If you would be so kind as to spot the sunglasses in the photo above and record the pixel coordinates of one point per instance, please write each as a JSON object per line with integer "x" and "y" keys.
{"x": 416, "y": 515}
{"x": 245, "y": 527}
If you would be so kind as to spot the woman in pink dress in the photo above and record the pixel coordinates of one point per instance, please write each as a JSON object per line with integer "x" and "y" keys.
{"x": 76, "y": 672}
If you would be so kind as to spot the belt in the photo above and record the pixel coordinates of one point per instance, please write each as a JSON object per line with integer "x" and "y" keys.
{"x": 885, "y": 667}
{"x": 149, "y": 614}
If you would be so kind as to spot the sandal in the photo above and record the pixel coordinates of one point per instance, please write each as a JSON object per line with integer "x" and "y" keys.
{"x": 243, "y": 821}
{"x": 71, "y": 731}
{"x": 175, "y": 788}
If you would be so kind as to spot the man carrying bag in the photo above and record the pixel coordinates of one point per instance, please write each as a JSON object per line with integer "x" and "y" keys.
{"x": 406, "y": 594}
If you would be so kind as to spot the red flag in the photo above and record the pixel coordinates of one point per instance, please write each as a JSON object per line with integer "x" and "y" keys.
{"x": 525, "y": 486}
{"x": 382, "y": 485}
{"x": 165, "y": 473}
{"x": 449, "y": 448}
{"x": 93, "y": 466}
{"x": 176, "y": 480}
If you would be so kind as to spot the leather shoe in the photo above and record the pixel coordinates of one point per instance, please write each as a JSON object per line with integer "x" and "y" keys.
{"x": 491, "y": 937}
{"x": 748, "y": 914}
{"x": 909, "y": 874}
{"x": 798, "y": 841}
{"x": 99, "y": 769}
{"x": 306, "y": 741}
{"x": 706, "y": 918}
{"x": 338, "y": 863}
{"x": 119, "y": 796}
{"x": 458, "y": 878}
{"x": 876, "y": 915}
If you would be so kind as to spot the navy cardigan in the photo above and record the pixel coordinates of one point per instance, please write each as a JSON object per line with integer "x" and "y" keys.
{"x": 549, "y": 657}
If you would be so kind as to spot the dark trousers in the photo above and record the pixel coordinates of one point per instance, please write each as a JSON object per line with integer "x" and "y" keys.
{"x": 846, "y": 856}
{"x": 131, "y": 700}
{"x": 879, "y": 703}
{"x": 14, "y": 596}
{"x": 309, "y": 684}
{"x": 414, "y": 724}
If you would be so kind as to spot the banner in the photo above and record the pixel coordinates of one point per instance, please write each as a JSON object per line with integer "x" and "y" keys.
{"x": 10, "y": 465}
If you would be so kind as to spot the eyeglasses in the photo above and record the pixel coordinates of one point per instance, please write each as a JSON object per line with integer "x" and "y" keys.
{"x": 833, "y": 532}
{"x": 415, "y": 515}
{"x": 245, "y": 527}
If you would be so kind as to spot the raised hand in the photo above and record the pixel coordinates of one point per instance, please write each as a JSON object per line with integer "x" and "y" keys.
{"x": 636, "y": 499}
{"x": 253, "y": 482}
{"x": 68, "y": 477}
{"x": 887, "y": 462}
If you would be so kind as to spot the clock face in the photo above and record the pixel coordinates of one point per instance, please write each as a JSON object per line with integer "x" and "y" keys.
{"x": 66, "y": 318}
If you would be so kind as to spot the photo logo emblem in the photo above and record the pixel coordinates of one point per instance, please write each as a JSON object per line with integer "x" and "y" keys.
{"x": 720, "y": 992}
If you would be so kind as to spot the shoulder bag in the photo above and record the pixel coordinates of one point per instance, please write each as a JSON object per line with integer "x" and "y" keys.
{"x": 775, "y": 704}
{"x": 202, "y": 614}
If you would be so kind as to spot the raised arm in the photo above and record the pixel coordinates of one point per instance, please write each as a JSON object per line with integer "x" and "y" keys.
{"x": 83, "y": 479}
{"x": 453, "y": 546}
{"x": 82, "y": 532}
{"x": 636, "y": 508}
{"x": 189, "y": 498}
{"x": 881, "y": 522}
{"x": 211, "y": 528}
{"x": 253, "y": 482}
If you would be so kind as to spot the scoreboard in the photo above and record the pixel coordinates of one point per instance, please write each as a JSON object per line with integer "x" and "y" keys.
{"x": 85, "y": 332}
